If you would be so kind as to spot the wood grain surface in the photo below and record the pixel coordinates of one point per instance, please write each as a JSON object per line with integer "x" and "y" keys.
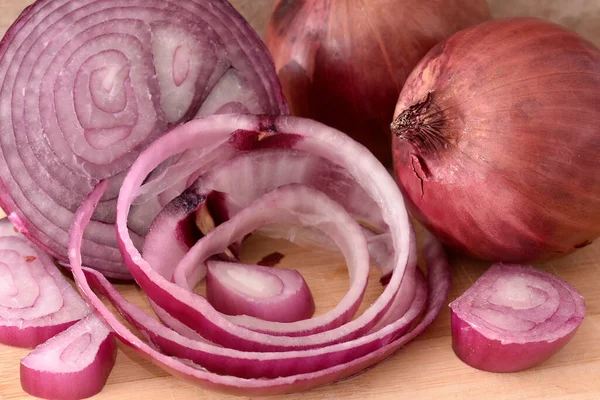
{"x": 427, "y": 368}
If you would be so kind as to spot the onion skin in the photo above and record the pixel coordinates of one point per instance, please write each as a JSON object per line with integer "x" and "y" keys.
{"x": 537, "y": 316}
{"x": 343, "y": 62}
{"x": 271, "y": 260}
{"x": 497, "y": 141}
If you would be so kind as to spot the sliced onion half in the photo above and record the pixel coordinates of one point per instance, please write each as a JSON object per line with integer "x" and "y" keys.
{"x": 86, "y": 85}
{"x": 36, "y": 301}
{"x": 254, "y": 356}
{"x": 513, "y": 318}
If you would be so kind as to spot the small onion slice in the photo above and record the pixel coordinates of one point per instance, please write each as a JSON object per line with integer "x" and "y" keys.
{"x": 513, "y": 318}
{"x": 72, "y": 365}
{"x": 271, "y": 294}
{"x": 36, "y": 301}
{"x": 293, "y": 204}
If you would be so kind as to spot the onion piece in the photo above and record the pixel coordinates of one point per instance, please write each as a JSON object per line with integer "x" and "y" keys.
{"x": 72, "y": 365}
{"x": 271, "y": 294}
{"x": 439, "y": 282}
{"x": 243, "y": 364}
{"x": 513, "y": 318}
{"x": 85, "y": 85}
{"x": 36, "y": 301}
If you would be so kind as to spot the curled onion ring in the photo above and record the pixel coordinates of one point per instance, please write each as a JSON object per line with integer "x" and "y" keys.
{"x": 253, "y": 356}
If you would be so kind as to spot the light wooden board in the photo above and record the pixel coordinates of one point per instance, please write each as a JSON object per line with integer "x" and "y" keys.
{"x": 426, "y": 369}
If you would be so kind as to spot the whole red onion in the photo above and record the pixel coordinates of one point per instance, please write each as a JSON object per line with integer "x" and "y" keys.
{"x": 343, "y": 62}
{"x": 497, "y": 140}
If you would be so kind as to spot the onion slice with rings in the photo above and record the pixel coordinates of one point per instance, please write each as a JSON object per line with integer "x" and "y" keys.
{"x": 36, "y": 301}
{"x": 74, "y": 364}
{"x": 513, "y": 318}
{"x": 243, "y": 178}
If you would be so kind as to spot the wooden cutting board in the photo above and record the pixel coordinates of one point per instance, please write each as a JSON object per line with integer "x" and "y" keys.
{"x": 427, "y": 368}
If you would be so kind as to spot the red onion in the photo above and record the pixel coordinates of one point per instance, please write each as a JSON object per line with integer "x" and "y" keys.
{"x": 72, "y": 365}
{"x": 513, "y": 318}
{"x": 246, "y": 355}
{"x": 343, "y": 62}
{"x": 88, "y": 84}
{"x": 36, "y": 301}
{"x": 497, "y": 145}
{"x": 271, "y": 294}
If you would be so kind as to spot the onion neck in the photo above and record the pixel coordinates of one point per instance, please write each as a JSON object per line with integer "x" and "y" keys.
{"x": 422, "y": 125}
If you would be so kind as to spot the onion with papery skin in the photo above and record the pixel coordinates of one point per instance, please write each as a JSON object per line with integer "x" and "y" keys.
{"x": 271, "y": 294}
{"x": 513, "y": 318}
{"x": 343, "y": 62}
{"x": 497, "y": 146}
{"x": 36, "y": 301}
{"x": 72, "y": 365}
{"x": 245, "y": 355}
{"x": 87, "y": 84}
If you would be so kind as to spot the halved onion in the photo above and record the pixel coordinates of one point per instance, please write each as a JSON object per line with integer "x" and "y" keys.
{"x": 36, "y": 301}
{"x": 88, "y": 84}
{"x": 74, "y": 364}
{"x": 514, "y": 317}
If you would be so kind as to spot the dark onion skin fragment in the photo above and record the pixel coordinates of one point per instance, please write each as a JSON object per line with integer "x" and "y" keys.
{"x": 497, "y": 141}
{"x": 513, "y": 318}
{"x": 271, "y": 259}
{"x": 86, "y": 85}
